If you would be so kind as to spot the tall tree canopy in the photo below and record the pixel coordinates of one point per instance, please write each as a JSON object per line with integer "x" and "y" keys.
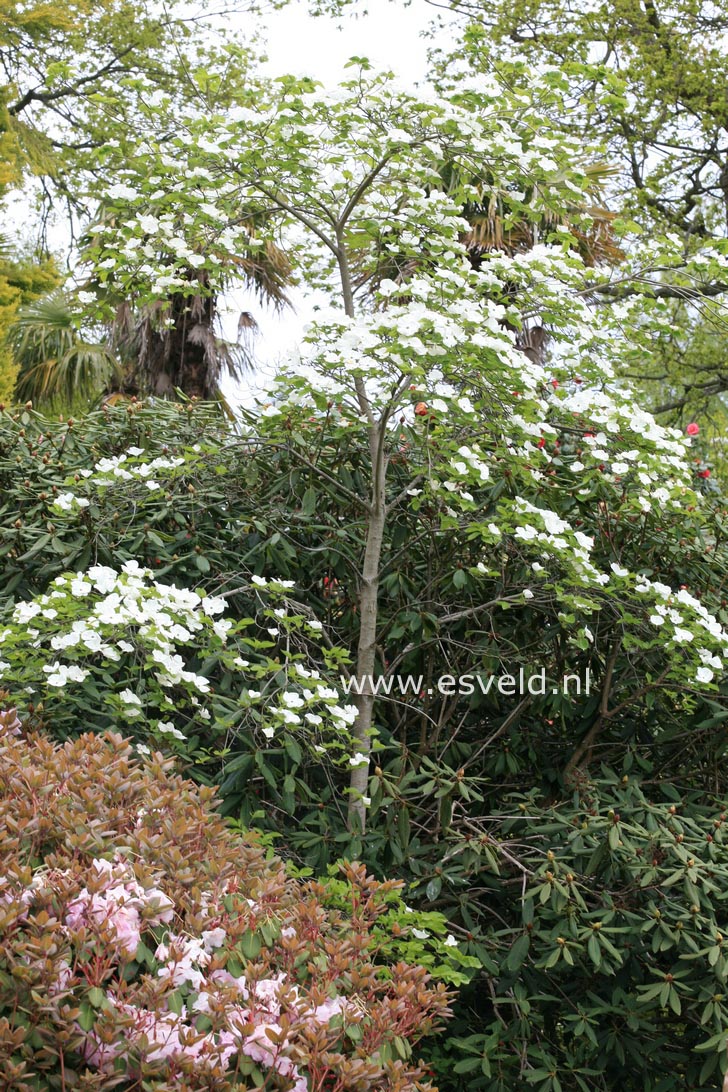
{"x": 76, "y": 78}
{"x": 647, "y": 82}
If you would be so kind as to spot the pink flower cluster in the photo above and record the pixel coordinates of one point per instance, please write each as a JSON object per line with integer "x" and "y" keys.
{"x": 251, "y": 1028}
{"x": 166, "y": 1035}
{"x": 247, "y": 1013}
{"x": 118, "y": 902}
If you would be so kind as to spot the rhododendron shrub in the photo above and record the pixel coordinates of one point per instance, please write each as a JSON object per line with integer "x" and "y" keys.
{"x": 145, "y": 945}
{"x": 42, "y": 459}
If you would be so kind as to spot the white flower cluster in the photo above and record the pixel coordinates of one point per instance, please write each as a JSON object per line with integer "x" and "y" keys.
{"x": 305, "y": 700}
{"x": 375, "y": 139}
{"x": 557, "y": 537}
{"x": 103, "y": 616}
{"x": 66, "y": 502}
{"x": 683, "y": 621}
{"x": 162, "y": 614}
{"x": 116, "y": 614}
{"x": 59, "y": 674}
{"x": 296, "y": 707}
{"x": 126, "y": 467}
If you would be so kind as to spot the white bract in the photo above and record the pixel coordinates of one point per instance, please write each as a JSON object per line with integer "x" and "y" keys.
{"x": 154, "y": 635}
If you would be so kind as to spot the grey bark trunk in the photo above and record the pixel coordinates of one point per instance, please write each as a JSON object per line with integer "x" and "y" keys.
{"x": 368, "y": 626}
{"x": 369, "y": 591}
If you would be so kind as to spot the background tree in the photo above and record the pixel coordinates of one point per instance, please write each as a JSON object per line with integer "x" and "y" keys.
{"x": 76, "y": 78}
{"x": 77, "y": 75}
{"x": 647, "y": 81}
{"x": 20, "y": 282}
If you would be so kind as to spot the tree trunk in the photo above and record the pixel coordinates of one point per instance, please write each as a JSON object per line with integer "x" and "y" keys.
{"x": 368, "y": 625}
{"x": 181, "y": 355}
{"x": 369, "y": 589}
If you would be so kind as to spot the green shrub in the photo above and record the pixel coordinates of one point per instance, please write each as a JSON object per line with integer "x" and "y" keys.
{"x": 603, "y": 938}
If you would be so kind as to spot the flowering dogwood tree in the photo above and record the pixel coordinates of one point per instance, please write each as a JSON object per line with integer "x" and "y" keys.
{"x": 420, "y": 355}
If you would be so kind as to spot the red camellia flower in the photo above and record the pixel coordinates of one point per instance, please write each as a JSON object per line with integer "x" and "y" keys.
{"x": 692, "y": 429}
{"x": 703, "y": 473}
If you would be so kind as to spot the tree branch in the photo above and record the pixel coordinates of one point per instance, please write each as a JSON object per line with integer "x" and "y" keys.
{"x": 46, "y": 97}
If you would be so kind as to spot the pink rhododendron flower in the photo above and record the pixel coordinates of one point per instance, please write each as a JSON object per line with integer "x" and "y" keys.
{"x": 333, "y": 1007}
{"x": 158, "y": 1033}
{"x": 119, "y": 905}
{"x": 265, "y": 993}
{"x": 183, "y": 956}
{"x": 260, "y": 1048}
{"x": 10, "y": 722}
{"x": 100, "y": 1055}
{"x": 213, "y": 938}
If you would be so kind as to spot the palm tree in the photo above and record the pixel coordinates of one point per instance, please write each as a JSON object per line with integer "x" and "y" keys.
{"x": 58, "y": 366}
{"x": 494, "y": 227}
{"x": 170, "y": 348}
{"x": 176, "y": 344}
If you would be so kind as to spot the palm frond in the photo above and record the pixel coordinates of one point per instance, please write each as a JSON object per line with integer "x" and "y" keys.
{"x": 55, "y": 362}
{"x": 266, "y": 269}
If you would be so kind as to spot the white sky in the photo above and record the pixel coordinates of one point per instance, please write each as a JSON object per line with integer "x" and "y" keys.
{"x": 390, "y": 36}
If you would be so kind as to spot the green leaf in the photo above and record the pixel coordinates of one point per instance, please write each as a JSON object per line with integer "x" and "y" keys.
{"x": 517, "y": 955}
{"x": 466, "y": 1065}
{"x": 251, "y": 944}
{"x": 308, "y": 501}
{"x": 433, "y": 888}
{"x": 595, "y": 952}
{"x": 175, "y": 1002}
{"x": 39, "y": 544}
{"x": 86, "y": 1016}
